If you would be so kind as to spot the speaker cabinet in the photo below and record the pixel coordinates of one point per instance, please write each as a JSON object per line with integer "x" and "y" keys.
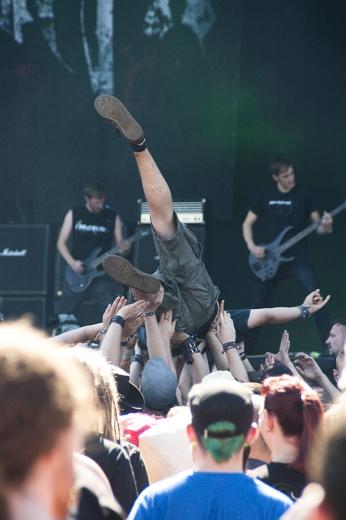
{"x": 144, "y": 253}
{"x": 24, "y": 259}
{"x": 35, "y": 308}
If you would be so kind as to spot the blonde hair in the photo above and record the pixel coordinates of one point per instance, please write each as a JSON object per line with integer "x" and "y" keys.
{"x": 102, "y": 379}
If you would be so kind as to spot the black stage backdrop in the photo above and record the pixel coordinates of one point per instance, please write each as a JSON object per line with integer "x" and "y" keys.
{"x": 165, "y": 60}
{"x": 219, "y": 86}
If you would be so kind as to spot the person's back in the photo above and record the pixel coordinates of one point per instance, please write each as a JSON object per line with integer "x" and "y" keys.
{"x": 221, "y": 424}
{"x": 206, "y": 495}
{"x": 283, "y": 477}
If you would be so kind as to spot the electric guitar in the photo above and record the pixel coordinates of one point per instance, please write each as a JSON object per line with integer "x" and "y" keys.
{"x": 265, "y": 268}
{"x": 78, "y": 282}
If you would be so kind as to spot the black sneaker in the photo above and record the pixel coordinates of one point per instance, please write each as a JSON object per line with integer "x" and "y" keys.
{"x": 112, "y": 109}
{"x": 122, "y": 271}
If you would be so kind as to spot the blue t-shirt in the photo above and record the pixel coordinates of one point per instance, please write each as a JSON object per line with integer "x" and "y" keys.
{"x": 217, "y": 496}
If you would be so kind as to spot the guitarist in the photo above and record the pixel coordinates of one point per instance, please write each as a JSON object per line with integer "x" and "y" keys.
{"x": 282, "y": 204}
{"x": 90, "y": 226}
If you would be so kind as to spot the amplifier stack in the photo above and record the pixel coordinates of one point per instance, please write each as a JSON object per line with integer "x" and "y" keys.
{"x": 24, "y": 288}
{"x": 188, "y": 212}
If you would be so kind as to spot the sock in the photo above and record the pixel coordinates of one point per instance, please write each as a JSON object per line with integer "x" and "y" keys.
{"x": 139, "y": 147}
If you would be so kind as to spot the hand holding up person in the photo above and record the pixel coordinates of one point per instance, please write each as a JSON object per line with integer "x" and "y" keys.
{"x": 225, "y": 327}
{"x": 167, "y": 325}
{"x": 133, "y": 310}
{"x": 112, "y": 309}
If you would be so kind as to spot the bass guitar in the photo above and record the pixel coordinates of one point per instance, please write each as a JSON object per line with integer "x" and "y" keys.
{"x": 79, "y": 282}
{"x": 265, "y": 268}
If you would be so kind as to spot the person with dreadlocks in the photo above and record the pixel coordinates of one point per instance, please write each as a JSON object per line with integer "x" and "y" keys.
{"x": 221, "y": 426}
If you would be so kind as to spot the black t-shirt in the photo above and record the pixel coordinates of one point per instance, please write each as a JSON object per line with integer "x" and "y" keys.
{"x": 277, "y": 210}
{"x": 282, "y": 477}
{"x": 91, "y": 230}
{"x": 123, "y": 467}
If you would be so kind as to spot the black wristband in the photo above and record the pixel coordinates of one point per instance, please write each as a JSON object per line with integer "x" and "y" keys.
{"x": 146, "y": 314}
{"x": 228, "y": 345}
{"x": 189, "y": 347}
{"x": 304, "y": 311}
{"x": 123, "y": 343}
{"x": 119, "y": 320}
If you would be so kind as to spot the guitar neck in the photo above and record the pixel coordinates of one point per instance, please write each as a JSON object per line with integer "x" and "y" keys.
{"x": 116, "y": 249}
{"x": 98, "y": 261}
{"x": 309, "y": 229}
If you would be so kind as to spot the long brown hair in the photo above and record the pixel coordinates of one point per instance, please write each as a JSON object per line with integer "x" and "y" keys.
{"x": 298, "y": 410}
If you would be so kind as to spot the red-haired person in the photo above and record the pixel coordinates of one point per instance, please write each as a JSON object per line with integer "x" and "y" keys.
{"x": 291, "y": 415}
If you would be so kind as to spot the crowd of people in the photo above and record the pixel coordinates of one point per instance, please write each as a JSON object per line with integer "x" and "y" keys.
{"x": 156, "y": 411}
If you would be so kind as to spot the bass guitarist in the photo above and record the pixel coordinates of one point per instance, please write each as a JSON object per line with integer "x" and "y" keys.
{"x": 283, "y": 204}
{"x": 90, "y": 226}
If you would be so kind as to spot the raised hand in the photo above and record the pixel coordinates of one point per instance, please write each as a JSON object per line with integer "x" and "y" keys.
{"x": 315, "y": 302}
{"x": 131, "y": 326}
{"x": 225, "y": 328}
{"x": 134, "y": 310}
{"x": 283, "y": 355}
{"x": 308, "y": 368}
{"x": 167, "y": 324}
{"x": 269, "y": 360}
{"x": 112, "y": 309}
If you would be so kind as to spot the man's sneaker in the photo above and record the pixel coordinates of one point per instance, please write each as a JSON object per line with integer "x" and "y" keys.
{"x": 122, "y": 271}
{"x": 112, "y": 109}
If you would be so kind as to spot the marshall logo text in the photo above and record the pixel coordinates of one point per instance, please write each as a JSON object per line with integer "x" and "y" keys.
{"x": 13, "y": 252}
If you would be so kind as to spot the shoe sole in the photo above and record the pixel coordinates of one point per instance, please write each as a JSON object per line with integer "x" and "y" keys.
{"x": 122, "y": 271}
{"x": 112, "y": 109}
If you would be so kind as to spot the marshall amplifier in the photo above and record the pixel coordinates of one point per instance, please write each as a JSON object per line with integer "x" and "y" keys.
{"x": 35, "y": 309}
{"x": 144, "y": 253}
{"x": 23, "y": 259}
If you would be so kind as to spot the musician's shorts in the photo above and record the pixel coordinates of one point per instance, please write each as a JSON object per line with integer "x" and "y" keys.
{"x": 189, "y": 290}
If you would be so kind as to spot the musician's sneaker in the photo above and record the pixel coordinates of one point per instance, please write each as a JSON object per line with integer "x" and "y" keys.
{"x": 112, "y": 109}
{"x": 122, "y": 271}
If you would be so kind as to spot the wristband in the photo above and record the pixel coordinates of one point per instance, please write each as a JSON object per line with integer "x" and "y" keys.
{"x": 123, "y": 343}
{"x": 119, "y": 320}
{"x": 189, "y": 347}
{"x": 304, "y": 311}
{"x": 146, "y": 314}
{"x": 228, "y": 345}
{"x": 104, "y": 331}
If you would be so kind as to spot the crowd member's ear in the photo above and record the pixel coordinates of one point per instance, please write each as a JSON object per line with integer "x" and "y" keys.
{"x": 252, "y": 434}
{"x": 268, "y": 421}
{"x": 191, "y": 433}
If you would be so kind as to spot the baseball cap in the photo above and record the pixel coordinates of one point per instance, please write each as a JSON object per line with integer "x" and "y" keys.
{"x": 158, "y": 384}
{"x": 221, "y": 409}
